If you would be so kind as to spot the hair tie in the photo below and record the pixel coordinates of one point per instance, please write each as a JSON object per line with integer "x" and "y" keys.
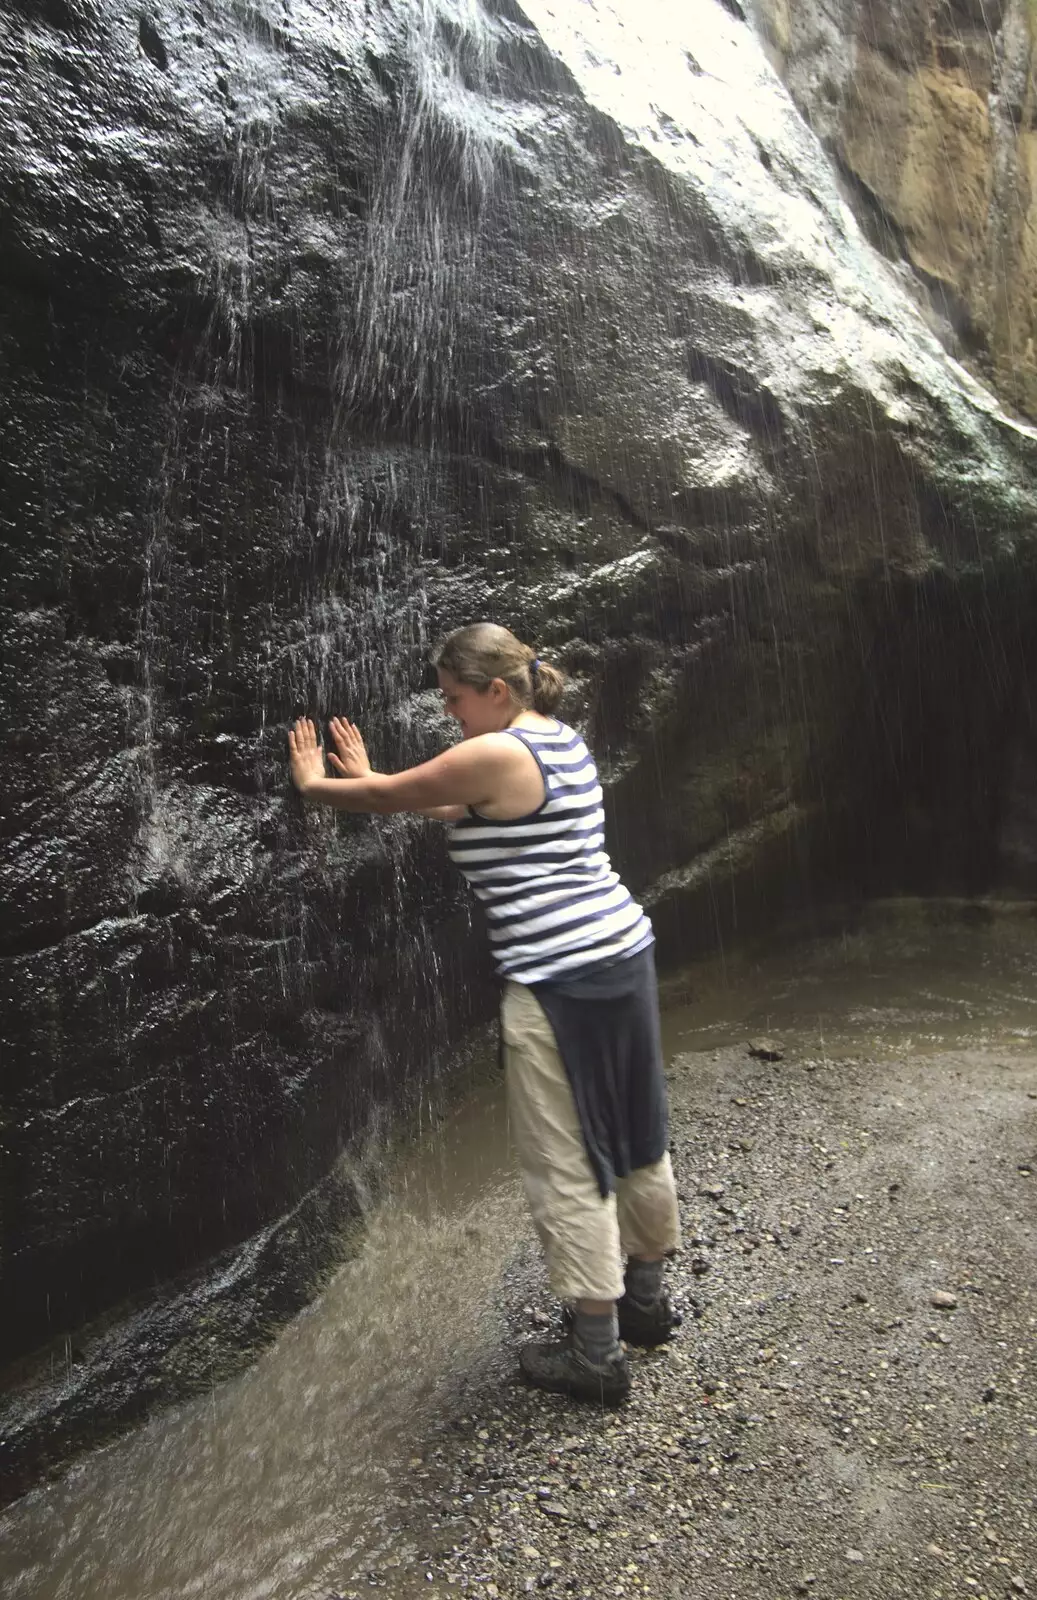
{"x": 534, "y": 664}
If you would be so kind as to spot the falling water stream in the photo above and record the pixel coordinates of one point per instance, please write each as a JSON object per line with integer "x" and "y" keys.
{"x": 289, "y": 1480}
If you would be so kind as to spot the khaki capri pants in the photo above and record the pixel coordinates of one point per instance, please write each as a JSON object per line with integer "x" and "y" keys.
{"x": 584, "y": 1234}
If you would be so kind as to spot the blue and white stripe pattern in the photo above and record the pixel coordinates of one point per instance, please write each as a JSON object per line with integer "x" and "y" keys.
{"x": 552, "y": 900}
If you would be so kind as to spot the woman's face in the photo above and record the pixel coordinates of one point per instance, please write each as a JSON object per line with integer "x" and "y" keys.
{"x": 477, "y": 710}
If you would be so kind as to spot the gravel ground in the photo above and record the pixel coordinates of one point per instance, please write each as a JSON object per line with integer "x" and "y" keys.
{"x": 850, "y": 1409}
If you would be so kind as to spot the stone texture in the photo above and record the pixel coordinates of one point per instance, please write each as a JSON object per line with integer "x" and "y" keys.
{"x": 325, "y": 330}
{"x": 929, "y": 108}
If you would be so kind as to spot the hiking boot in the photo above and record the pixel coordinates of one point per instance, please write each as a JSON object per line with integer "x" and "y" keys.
{"x": 650, "y": 1324}
{"x": 643, "y": 1325}
{"x": 562, "y": 1368}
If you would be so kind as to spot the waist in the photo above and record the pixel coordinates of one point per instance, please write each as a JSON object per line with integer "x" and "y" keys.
{"x": 558, "y": 945}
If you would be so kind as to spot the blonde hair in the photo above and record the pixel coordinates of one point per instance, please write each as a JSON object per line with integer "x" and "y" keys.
{"x": 484, "y": 651}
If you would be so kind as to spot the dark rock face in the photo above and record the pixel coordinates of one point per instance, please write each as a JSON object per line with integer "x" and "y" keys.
{"x": 325, "y": 330}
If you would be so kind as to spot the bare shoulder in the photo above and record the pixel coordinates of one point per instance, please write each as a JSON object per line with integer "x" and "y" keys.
{"x": 497, "y": 747}
{"x": 489, "y": 754}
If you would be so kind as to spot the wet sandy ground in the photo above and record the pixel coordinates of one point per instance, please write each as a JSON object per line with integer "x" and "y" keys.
{"x": 820, "y": 1426}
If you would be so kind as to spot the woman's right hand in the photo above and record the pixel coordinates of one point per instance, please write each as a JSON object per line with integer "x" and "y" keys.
{"x": 349, "y": 757}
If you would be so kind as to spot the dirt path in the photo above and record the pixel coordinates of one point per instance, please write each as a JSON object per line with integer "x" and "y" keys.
{"x": 821, "y": 1426}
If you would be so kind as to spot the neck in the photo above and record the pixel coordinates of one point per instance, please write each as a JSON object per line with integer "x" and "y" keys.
{"x": 526, "y": 711}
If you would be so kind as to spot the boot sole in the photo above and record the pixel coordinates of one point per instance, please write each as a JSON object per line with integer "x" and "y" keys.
{"x": 602, "y": 1397}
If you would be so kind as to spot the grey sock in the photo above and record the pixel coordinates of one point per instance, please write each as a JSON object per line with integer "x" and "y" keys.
{"x": 644, "y": 1281}
{"x": 596, "y": 1335}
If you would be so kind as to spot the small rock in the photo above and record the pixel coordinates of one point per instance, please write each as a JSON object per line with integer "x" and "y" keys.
{"x": 943, "y": 1300}
{"x": 712, "y": 1191}
{"x": 765, "y": 1050}
{"x": 856, "y": 1556}
{"x": 1018, "y": 1585}
{"x": 989, "y": 1394}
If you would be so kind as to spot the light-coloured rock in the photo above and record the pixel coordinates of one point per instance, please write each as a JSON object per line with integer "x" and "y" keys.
{"x": 932, "y": 111}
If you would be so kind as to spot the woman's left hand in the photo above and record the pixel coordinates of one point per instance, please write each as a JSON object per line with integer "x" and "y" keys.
{"x": 349, "y": 757}
{"x": 305, "y": 754}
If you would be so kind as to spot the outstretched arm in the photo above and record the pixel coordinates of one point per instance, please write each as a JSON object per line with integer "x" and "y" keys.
{"x": 463, "y": 776}
{"x": 349, "y": 759}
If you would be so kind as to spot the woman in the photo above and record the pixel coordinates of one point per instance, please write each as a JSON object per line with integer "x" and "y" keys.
{"x": 579, "y": 1016}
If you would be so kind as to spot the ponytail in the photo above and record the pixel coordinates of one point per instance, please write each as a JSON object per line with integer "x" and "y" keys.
{"x": 547, "y": 685}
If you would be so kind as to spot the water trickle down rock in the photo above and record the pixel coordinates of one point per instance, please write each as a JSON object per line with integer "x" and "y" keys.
{"x": 323, "y": 334}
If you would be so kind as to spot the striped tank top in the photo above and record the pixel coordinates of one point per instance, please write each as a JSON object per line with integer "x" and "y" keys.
{"x": 552, "y": 900}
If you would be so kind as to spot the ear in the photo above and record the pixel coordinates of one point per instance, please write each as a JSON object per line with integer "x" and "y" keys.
{"x": 499, "y": 690}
